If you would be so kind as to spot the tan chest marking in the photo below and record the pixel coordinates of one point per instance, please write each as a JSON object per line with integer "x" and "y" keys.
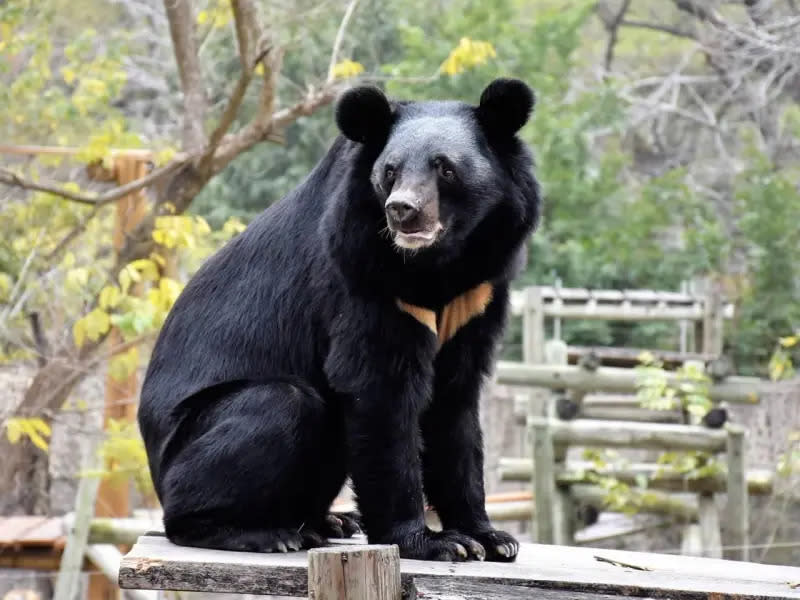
{"x": 455, "y": 314}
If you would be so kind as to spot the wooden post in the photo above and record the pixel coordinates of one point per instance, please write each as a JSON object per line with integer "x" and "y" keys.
{"x": 683, "y": 325}
{"x": 713, "y": 326}
{"x": 555, "y": 352}
{"x": 113, "y": 500}
{"x": 708, "y": 517}
{"x": 737, "y": 508}
{"x": 533, "y": 335}
{"x": 69, "y": 574}
{"x": 533, "y": 332}
{"x": 354, "y": 573}
{"x": 543, "y": 481}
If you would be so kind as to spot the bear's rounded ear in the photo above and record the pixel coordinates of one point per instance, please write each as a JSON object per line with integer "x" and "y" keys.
{"x": 505, "y": 107}
{"x": 364, "y": 115}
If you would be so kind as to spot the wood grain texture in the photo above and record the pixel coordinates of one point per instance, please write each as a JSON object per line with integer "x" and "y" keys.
{"x": 354, "y": 573}
{"x": 154, "y": 563}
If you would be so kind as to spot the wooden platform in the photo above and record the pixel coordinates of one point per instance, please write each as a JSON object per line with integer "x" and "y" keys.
{"x": 544, "y": 572}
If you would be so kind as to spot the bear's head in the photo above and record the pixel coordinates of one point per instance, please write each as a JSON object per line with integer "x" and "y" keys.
{"x": 441, "y": 167}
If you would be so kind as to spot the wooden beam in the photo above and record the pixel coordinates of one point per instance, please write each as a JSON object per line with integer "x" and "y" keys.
{"x": 624, "y": 434}
{"x": 759, "y": 481}
{"x": 613, "y": 379}
{"x": 32, "y": 150}
{"x": 737, "y": 520}
{"x": 154, "y": 563}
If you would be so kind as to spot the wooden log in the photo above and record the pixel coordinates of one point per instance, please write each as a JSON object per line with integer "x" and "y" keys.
{"x": 629, "y": 357}
{"x": 759, "y": 481}
{"x": 737, "y": 507}
{"x": 624, "y": 434}
{"x": 533, "y": 333}
{"x": 543, "y": 480}
{"x": 613, "y": 379}
{"x": 521, "y": 510}
{"x": 708, "y": 520}
{"x": 658, "y": 503}
{"x": 633, "y": 413}
{"x": 154, "y": 563}
{"x": 354, "y": 573}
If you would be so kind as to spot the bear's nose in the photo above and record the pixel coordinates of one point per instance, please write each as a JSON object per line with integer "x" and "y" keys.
{"x": 401, "y": 211}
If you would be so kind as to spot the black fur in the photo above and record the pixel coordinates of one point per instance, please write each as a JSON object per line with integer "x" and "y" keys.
{"x": 286, "y": 363}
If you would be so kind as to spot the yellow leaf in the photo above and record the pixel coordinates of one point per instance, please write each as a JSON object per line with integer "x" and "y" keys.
{"x": 68, "y": 75}
{"x": 469, "y": 53}
{"x": 202, "y": 17}
{"x": 79, "y": 332}
{"x": 259, "y": 70}
{"x": 13, "y": 430}
{"x": 110, "y": 296}
{"x": 125, "y": 280}
{"x": 347, "y": 69}
{"x": 146, "y": 267}
{"x": 41, "y": 426}
{"x": 162, "y": 157}
{"x": 77, "y": 277}
{"x": 788, "y": 342}
{"x": 95, "y": 324}
{"x": 37, "y": 440}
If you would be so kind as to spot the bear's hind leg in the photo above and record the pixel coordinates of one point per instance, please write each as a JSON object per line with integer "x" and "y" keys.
{"x": 256, "y": 471}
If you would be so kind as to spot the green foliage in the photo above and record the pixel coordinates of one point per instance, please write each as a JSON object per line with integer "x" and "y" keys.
{"x": 691, "y": 394}
{"x": 123, "y": 457}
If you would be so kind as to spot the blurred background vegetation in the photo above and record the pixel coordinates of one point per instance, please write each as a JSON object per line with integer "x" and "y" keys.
{"x": 666, "y": 136}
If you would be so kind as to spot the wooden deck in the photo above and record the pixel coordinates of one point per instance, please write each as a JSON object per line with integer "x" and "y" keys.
{"x": 546, "y": 572}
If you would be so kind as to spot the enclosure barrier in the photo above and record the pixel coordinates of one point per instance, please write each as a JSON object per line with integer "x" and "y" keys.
{"x": 358, "y": 572}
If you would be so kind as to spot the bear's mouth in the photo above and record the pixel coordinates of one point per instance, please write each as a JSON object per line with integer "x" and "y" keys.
{"x": 416, "y": 239}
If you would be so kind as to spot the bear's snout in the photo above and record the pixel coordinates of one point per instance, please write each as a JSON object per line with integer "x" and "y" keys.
{"x": 413, "y": 221}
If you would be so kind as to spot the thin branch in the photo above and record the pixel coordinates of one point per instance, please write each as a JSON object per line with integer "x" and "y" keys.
{"x": 181, "y": 29}
{"x": 73, "y": 233}
{"x": 613, "y": 31}
{"x": 245, "y": 21}
{"x": 659, "y": 27}
{"x": 11, "y": 179}
{"x": 337, "y": 44}
{"x": 256, "y": 132}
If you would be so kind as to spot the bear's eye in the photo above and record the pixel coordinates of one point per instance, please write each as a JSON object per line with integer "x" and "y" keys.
{"x": 388, "y": 173}
{"x": 444, "y": 169}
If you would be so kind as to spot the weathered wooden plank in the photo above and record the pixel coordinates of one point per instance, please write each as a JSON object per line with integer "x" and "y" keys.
{"x": 614, "y": 379}
{"x": 589, "y": 432}
{"x": 154, "y": 564}
{"x": 431, "y": 588}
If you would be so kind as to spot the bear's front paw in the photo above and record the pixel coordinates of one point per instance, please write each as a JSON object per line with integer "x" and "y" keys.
{"x": 449, "y": 545}
{"x": 500, "y": 546}
{"x": 341, "y": 525}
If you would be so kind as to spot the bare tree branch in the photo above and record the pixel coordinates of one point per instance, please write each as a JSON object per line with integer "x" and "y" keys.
{"x": 337, "y": 44}
{"x": 677, "y": 32}
{"x": 181, "y": 29}
{"x": 12, "y": 179}
{"x": 613, "y": 31}
{"x": 254, "y": 133}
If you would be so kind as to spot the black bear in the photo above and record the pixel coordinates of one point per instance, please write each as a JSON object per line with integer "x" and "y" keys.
{"x": 347, "y": 331}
